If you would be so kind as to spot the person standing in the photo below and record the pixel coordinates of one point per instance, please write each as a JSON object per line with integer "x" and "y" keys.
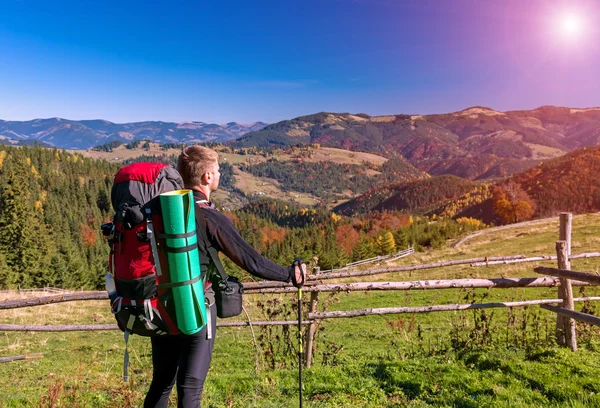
{"x": 185, "y": 359}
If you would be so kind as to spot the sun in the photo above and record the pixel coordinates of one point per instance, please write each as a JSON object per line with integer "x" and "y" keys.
{"x": 571, "y": 26}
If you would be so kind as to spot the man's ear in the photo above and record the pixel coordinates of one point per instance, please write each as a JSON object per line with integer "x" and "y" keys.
{"x": 206, "y": 177}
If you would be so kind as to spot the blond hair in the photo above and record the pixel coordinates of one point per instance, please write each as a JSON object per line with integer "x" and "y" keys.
{"x": 194, "y": 161}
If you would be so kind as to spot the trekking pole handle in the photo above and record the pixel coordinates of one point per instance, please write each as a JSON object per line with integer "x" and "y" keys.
{"x": 299, "y": 273}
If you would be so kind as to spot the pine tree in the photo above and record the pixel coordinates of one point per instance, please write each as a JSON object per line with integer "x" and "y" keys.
{"x": 364, "y": 250}
{"x": 24, "y": 236}
{"x": 385, "y": 243}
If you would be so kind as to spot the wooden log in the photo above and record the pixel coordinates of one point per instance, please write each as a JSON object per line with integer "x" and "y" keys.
{"x": 563, "y": 273}
{"x": 264, "y": 323}
{"x": 45, "y": 300}
{"x": 23, "y": 357}
{"x": 272, "y": 284}
{"x": 314, "y": 300}
{"x": 336, "y": 275}
{"x": 536, "y": 259}
{"x": 316, "y": 286}
{"x": 585, "y": 255}
{"x": 511, "y": 261}
{"x": 98, "y": 327}
{"x": 436, "y": 308}
{"x": 582, "y": 317}
{"x": 57, "y": 328}
{"x": 545, "y": 282}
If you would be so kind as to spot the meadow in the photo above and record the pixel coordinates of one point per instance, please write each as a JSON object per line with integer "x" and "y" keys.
{"x": 476, "y": 358}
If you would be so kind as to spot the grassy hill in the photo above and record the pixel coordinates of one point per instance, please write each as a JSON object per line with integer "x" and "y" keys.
{"x": 497, "y": 357}
{"x": 294, "y": 174}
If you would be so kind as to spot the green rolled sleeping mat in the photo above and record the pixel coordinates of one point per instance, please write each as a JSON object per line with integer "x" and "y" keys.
{"x": 184, "y": 263}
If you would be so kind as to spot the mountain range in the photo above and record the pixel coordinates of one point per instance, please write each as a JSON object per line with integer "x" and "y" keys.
{"x": 83, "y": 134}
{"x": 475, "y": 143}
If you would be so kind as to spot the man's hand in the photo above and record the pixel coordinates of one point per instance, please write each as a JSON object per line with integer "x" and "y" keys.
{"x": 299, "y": 275}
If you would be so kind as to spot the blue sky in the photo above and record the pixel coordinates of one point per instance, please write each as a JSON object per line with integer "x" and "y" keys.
{"x": 272, "y": 60}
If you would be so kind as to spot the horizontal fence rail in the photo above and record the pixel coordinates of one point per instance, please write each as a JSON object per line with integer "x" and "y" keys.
{"x": 255, "y": 288}
{"x": 99, "y": 327}
{"x": 46, "y": 300}
{"x": 500, "y": 283}
{"x": 583, "y": 317}
{"x": 312, "y": 316}
{"x": 563, "y": 273}
{"x": 380, "y": 258}
{"x": 536, "y": 258}
{"x": 436, "y": 308}
{"x": 336, "y": 275}
{"x": 406, "y": 268}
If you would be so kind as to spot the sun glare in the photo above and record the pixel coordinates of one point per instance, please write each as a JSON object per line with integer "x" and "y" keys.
{"x": 571, "y": 26}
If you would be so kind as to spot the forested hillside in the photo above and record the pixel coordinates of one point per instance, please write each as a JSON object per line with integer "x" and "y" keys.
{"x": 329, "y": 180}
{"x": 416, "y": 197}
{"x": 567, "y": 183}
{"x": 53, "y": 202}
{"x": 51, "y": 206}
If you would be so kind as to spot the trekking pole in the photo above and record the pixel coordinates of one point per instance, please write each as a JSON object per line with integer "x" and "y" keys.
{"x": 300, "y": 343}
{"x": 298, "y": 267}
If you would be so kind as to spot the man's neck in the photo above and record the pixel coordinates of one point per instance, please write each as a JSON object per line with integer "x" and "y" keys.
{"x": 201, "y": 189}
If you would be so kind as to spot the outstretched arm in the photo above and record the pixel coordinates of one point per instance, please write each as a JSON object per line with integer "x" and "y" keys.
{"x": 228, "y": 240}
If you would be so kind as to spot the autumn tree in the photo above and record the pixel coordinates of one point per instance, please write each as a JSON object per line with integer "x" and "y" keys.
{"x": 385, "y": 243}
{"x": 512, "y": 203}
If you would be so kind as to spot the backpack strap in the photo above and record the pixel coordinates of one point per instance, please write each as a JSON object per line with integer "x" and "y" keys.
{"x": 212, "y": 252}
{"x": 151, "y": 235}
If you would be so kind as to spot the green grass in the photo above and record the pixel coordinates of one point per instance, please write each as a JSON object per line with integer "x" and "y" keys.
{"x": 492, "y": 358}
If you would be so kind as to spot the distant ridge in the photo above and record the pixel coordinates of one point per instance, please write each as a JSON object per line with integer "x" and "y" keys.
{"x": 476, "y": 143}
{"x": 83, "y": 134}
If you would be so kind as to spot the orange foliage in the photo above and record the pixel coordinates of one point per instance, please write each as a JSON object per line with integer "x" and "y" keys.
{"x": 567, "y": 183}
{"x": 512, "y": 203}
{"x": 270, "y": 235}
{"x": 388, "y": 221}
{"x": 347, "y": 237}
{"x": 88, "y": 235}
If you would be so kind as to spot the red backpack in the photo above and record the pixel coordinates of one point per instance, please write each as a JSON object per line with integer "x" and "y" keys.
{"x": 142, "y": 303}
{"x": 142, "y": 295}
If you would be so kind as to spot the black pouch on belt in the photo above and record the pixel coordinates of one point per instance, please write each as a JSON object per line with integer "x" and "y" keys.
{"x": 228, "y": 297}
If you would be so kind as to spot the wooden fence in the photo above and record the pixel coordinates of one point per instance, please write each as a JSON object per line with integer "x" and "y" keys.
{"x": 562, "y": 278}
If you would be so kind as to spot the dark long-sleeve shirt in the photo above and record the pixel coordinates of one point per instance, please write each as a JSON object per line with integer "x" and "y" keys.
{"x": 224, "y": 237}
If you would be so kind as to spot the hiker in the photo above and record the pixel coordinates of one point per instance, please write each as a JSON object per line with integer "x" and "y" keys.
{"x": 185, "y": 359}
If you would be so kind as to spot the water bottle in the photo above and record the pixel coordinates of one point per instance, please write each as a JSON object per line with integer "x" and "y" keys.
{"x": 110, "y": 286}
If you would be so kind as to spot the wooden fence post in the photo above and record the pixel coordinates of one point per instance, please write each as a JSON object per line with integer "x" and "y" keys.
{"x": 564, "y": 234}
{"x": 312, "y": 328}
{"x": 566, "y": 226}
{"x": 567, "y": 332}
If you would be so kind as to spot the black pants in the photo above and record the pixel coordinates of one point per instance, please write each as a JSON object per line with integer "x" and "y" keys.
{"x": 182, "y": 358}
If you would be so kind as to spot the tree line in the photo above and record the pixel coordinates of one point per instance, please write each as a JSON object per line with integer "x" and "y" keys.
{"x": 51, "y": 205}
